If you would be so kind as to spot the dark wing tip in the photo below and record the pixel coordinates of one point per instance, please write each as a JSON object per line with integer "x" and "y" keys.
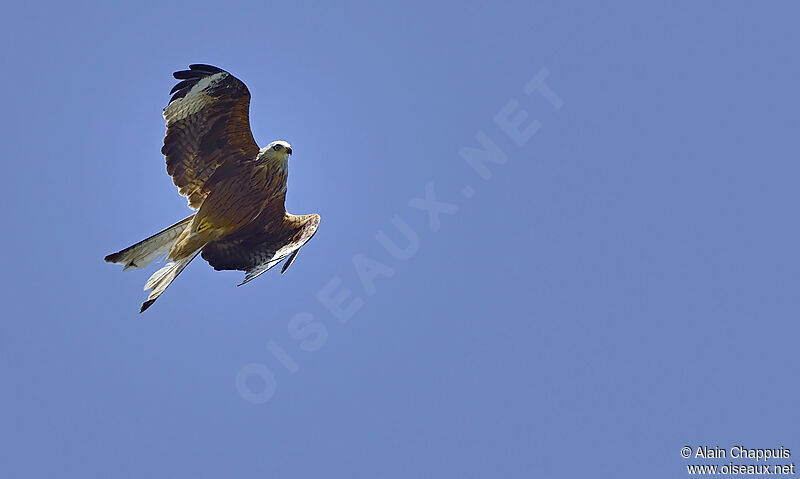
{"x": 197, "y": 70}
{"x": 190, "y": 77}
{"x": 205, "y": 68}
{"x": 146, "y": 305}
{"x": 186, "y": 75}
{"x": 289, "y": 261}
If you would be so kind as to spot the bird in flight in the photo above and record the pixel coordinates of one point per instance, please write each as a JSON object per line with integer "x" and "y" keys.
{"x": 237, "y": 188}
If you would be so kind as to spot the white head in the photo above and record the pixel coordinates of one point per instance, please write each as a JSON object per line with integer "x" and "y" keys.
{"x": 277, "y": 150}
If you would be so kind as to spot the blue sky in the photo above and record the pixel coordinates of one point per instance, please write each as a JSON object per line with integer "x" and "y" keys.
{"x": 622, "y": 285}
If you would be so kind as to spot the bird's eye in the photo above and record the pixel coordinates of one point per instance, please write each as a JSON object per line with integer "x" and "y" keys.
{"x": 277, "y": 147}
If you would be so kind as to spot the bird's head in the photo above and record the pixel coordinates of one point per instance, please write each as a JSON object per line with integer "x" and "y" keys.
{"x": 277, "y": 150}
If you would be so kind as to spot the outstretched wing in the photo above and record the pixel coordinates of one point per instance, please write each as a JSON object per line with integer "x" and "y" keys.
{"x": 207, "y": 124}
{"x": 256, "y": 251}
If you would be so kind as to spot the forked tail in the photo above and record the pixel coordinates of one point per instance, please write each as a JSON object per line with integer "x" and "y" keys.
{"x": 162, "y": 278}
{"x": 146, "y": 251}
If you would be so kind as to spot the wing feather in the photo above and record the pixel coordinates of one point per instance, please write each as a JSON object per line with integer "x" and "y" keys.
{"x": 256, "y": 251}
{"x": 208, "y": 123}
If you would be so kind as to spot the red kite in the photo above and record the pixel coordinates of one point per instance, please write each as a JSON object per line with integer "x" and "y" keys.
{"x": 238, "y": 188}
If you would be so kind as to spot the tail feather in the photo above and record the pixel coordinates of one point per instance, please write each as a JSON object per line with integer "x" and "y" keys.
{"x": 148, "y": 250}
{"x": 162, "y": 278}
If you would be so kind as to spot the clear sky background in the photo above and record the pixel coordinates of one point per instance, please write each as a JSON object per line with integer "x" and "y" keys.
{"x": 623, "y": 285}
